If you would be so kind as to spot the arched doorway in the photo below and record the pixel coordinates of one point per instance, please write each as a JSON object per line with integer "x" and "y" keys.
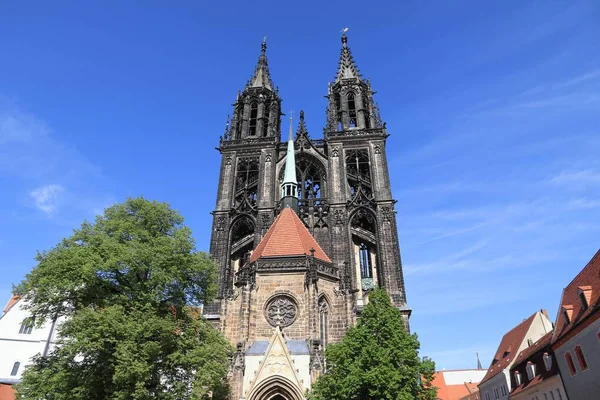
{"x": 276, "y": 388}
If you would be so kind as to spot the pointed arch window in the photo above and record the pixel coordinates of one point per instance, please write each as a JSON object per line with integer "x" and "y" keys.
{"x": 253, "y": 119}
{"x": 323, "y": 321}
{"x": 338, "y": 111}
{"x": 365, "y": 110}
{"x": 352, "y": 110}
{"x": 366, "y": 267}
{"x": 265, "y": 126}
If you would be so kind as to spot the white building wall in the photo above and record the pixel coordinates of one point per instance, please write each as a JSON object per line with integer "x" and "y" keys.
{"x": 21, "y": 347}
{"x": 551, "y": 388}
{"x": 487, "y": 390}
{"x": 538, "y": 328}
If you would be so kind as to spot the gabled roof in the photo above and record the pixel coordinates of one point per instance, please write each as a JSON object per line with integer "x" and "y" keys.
{"x": 13, "y": 300}
{"x": 509, "y": 345}
{"x": 540, "y": 344}
{"x": 586, "y": 282}
{"x": 288, "y": 237}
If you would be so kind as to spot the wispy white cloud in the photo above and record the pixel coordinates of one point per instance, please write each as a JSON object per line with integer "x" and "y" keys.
{"x": 31, "y": 155}
{"x": 588, "y": 176}
{"x": 46, "y": 198}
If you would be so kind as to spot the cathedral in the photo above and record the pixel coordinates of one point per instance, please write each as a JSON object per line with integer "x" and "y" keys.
{"x": 303, "y": 230}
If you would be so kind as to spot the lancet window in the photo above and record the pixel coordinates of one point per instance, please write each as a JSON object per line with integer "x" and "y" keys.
{"x": 246, "y": 185}
{"x": 365, "y": 110}
{"x": 338, "y": 110}
{"x": 265, "y": 126}
{"x": 363, "y": 225}
{"x": 310, "y": 175}
{"x": 310, "y": 179}
{"x": 358, "y": 171}
{"x": 242, "y": 241}
{"x": 323, "y": 321}
{"x": 253, "y": 119}
{"x": 352, "y": 110}
{"x": 366, "y": 270}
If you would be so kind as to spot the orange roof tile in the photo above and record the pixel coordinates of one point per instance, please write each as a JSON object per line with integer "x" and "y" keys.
{"x": 452, "y": 392}
{"x": 6, "y": 392}
{"x": 588, "y": 277}
{"x": 13, "y": 300}
{"x": 288, "y": 237}
{"x": 509, "y": 344}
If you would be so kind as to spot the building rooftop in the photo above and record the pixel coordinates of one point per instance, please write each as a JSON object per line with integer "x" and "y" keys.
{"x": 454, "y": 384}
{"x": 509, "y": 345}
{"x": 584, "y": 287}
{"x": 288, "y": 237}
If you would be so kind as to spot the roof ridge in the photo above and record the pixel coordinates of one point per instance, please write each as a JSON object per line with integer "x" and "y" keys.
{"x": 583, "y": 269}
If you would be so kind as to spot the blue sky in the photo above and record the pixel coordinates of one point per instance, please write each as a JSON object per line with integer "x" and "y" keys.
{"x": 493, "y": 110}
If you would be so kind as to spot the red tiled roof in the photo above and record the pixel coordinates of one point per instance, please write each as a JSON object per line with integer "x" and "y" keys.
{"x": 13, "y": 300}
{"x": 288, "y": 237}
{"x": 535, "y": 347}
{"x": 6, "y": 392}
{"x": 587, "y": 279}
{"x": 541, "y": 345}
{"x": 509, "y": 344}
{"x": 452, "y": 392}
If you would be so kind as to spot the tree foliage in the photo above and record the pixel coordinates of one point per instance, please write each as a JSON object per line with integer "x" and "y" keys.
{"x": 126, "y": 287}
{"x": 376, "y": 360}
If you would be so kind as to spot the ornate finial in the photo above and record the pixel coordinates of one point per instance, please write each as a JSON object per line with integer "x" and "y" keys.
{"x": 227, "y": 131}
{"x": 301, "y": 115}
{"x": 263, "y": 46}
{"x": 344, "y": 37}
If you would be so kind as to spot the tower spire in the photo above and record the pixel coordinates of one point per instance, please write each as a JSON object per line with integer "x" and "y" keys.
{"x": 347, "y": 67}
{"x": 289, "y": 187}
{"x": 261, "y": 76}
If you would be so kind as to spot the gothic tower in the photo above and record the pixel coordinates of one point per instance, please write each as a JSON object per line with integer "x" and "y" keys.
{"x": 302, "y": 231}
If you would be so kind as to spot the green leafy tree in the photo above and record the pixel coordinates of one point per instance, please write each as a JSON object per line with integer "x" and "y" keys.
{"x": 376, "y": 360}
{"x": 127, "y": 288}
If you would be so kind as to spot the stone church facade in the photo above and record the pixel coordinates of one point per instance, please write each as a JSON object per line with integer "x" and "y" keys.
{"x": 299, "y": 254}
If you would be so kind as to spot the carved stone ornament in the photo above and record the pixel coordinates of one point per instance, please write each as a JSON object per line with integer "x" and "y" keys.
{"x": 377, "y": 149}
{"x": 335, "y": 152}
{"x": 387, "y": 213}
{"x": 220, "y": 224}
{"x": 339, "y": 217}
{"x": 281, "y": 311}
{"x": 228, "y": 161}
{"x": 268, "y": 157}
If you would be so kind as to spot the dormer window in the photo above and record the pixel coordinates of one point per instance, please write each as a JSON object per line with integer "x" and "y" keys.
{"x": 530, "y": 370}
{"x": 547, "y": 361}
{"x": 506, "y": 353}
{"x": 517, "y": 378}
{"x": 585, "y": 294}
{"x": 567, "y": 313}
